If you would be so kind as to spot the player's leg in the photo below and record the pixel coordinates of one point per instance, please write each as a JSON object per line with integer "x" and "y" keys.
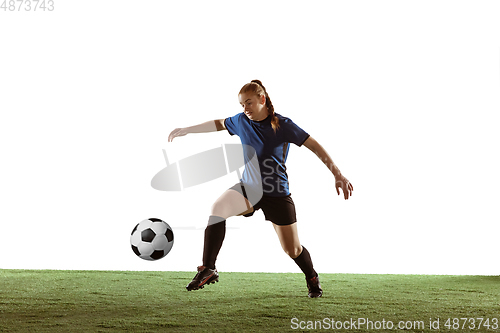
{"x": 289, "y": 239}
{"x": 230, "y": 203}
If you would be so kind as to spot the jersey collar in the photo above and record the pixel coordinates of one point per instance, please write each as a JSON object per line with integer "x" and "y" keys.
{"x": 263, "y": 121}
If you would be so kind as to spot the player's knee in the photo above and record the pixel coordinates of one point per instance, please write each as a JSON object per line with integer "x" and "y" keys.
{"x": 219, "y": 209}
{"x": 293, "y": 251}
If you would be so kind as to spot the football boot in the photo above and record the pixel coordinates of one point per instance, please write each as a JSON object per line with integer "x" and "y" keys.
{"x": 204, "y": 276}
{"x": 314, "y": 287}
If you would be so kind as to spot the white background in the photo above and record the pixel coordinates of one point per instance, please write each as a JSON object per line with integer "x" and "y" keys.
{"x": 403, "y": 95}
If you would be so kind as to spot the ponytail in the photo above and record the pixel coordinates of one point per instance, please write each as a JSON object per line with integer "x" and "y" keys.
{"x": 258, "y": 88}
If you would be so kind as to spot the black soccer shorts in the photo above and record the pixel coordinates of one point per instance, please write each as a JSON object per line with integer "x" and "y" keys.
{"x": 279, "y": 210}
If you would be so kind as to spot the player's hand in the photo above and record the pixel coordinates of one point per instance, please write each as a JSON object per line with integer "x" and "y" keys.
{"x": 177, "y": 132}
{"x": 345, "y": 185}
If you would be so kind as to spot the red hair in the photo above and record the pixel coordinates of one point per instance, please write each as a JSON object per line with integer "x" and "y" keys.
{"x": 257, "y": 88}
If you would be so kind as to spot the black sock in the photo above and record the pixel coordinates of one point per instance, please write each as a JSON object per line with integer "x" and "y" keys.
{"x": 305, "y": 264}
{"x": 214, "y": 236}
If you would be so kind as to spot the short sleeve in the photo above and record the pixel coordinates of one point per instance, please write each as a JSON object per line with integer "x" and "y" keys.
{"x": 232, "y": 124}
{"x": 293, "y": 133}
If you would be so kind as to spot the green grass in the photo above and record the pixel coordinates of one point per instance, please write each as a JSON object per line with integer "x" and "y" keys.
{"x": 122, "y": 301}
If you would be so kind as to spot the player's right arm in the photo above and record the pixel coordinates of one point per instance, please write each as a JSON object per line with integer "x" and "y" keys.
{"x": 206, "y": 127}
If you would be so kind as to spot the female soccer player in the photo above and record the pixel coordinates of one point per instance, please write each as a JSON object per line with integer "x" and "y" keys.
{"x": 270, "y": 135}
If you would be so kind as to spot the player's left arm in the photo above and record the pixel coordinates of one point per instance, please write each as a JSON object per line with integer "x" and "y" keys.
{"x": 340, "y": 180}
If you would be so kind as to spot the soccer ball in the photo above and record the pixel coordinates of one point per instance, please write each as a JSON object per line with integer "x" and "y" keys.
{"x": 152, "y": 239}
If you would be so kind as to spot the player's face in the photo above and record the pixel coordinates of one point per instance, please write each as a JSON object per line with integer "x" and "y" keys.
{"x": 254, "y": 106}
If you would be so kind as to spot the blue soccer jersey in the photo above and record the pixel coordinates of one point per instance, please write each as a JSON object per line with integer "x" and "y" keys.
{"x": 271, "y": 148}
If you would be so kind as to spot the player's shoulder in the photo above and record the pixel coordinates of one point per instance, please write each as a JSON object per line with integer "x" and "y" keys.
{"x": 283, "y": 119}
{"x": 237, "y": 116}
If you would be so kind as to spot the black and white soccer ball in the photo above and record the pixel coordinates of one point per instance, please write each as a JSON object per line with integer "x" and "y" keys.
{"x": 152, "y": 239}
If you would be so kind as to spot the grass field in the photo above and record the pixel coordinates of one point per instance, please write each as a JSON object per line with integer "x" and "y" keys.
{"x": 125, "y": 301}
